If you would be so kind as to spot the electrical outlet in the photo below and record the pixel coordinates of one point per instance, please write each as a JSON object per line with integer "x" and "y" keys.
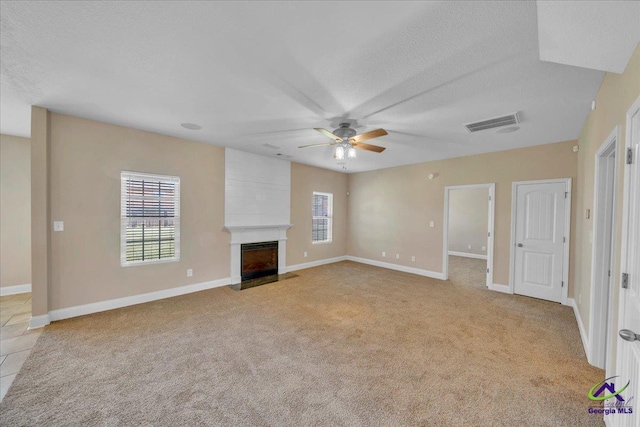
{"x": 58, "y": 225}
{"x": 484, "y": 248}
{"x": 468, "y": 246}
{"x": 305, "y": 254}
{"x": 189, "y": 272}
{"x": 432, "y": 224}
{"x": 397, "y": 256}
{"x": 384, "y": 254}
{"x": 413, "y": 259}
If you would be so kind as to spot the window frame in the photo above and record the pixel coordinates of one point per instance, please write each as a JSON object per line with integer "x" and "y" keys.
{"x": 329, "y": 218}
{"x": 126, "y": 176}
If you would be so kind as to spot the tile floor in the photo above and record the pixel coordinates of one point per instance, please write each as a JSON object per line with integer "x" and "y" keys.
{"x": 16, "y": 340}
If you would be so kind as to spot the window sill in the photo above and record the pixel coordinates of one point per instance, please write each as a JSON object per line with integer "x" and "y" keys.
{"x": 150, "y": 262}
{"x": 321, "y": 242}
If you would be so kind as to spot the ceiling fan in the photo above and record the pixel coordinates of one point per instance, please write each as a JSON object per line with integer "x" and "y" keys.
{"x": 346, "y": 141}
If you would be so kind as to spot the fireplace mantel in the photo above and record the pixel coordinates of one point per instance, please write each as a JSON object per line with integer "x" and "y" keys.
{"x": 254, "y": 234}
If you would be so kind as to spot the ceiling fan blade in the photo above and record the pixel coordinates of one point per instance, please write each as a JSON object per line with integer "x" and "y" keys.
{"x": 316, "y": 145}
{"x": 329, "y": 134}
{"x": 369, "y": 147}
{"x": 369, "y": 135}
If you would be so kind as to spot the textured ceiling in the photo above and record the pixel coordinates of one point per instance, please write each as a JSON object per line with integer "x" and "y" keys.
{"x": 260, "y": 73}
{"x": 601, "y": 35}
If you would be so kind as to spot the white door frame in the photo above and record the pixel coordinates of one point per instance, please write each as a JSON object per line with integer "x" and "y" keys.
{"x": 624, "y": 247}
{"x": 445, "y": 239}
{"x": 601, "y": 308}
{"x": 567, "y": 232}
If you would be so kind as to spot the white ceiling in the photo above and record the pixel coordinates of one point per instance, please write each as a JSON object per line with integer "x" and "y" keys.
{"x": 601, "y": 35}
{"x": 259, "y": 73}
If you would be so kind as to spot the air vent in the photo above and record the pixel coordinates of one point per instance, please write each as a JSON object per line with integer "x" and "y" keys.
{"x": 273, "y": 147}
{"x": 496, "y": 122}
{"x": 286, "y": 156}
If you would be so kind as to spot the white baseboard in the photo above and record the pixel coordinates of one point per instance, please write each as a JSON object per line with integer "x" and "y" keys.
{"x": 39, "y": 321}
{"x": 468, "y": 255}
{"x": 13, "y": 290}
{"x": 96, "y": 307}
{"x": 315, "y": 263}
{"x": 583, "y": 334}
{"x": 413, "y": 270}
{"x": 501, "y": 288}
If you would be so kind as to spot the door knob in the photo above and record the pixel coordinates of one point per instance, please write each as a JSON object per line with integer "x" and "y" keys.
{"x": 519, "y": 245}
{"x": 628, "y": 335}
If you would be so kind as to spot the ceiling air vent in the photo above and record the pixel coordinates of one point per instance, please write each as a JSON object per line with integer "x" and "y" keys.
{"x": 496, "y": 122}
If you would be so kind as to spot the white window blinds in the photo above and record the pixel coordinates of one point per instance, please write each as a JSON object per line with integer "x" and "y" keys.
{"x": 150, "y": 218}
{"x": 322, "y": 217}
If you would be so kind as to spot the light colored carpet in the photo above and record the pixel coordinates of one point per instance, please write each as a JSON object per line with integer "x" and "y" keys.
{"x": 343, "y": 344}
{"x": 468, "y": 271}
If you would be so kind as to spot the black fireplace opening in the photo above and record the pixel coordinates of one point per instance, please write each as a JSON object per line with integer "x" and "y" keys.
{"x": 258, "y": 259}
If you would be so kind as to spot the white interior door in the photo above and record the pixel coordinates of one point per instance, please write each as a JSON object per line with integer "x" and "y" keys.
{"x": 539, "y": 239}
{"x": 629, "y": 348}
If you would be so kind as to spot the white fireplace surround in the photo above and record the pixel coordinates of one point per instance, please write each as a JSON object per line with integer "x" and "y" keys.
{"x": 256, "y": 234}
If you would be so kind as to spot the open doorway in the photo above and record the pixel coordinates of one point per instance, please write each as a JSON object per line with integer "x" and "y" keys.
{"x": 15, "y": 257}
{"x": 603, "y": 254}
{"x": 468, "y": 234}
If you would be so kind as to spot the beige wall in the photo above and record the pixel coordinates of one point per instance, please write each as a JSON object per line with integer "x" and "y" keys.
{"x": 468, "y": 220}
{"x": 390, "y": 209}
{"x": 616, "y": 95}
{"x": 15, "y": 211}
{"x": 86, "y": 158}
{"x": 40, "y": 211}
{"x": 304, "y": 181}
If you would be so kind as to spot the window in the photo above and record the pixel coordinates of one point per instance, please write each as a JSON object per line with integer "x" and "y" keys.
{"x": 150, "y": 221}
{"x": 322, "y": 221}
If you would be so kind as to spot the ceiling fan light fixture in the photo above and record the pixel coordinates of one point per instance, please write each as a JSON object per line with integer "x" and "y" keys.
{"x": 339, "y": 154}
{"x": 351, "y": 153}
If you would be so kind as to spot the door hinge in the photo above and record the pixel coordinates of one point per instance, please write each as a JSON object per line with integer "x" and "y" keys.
{"x": 609, "y": 273}
{"x": 629, "y": 156}
{"x": 565, "y": 194}
{"x": 487, "y": 270}
{"x": 625, "y": 280}
{"x": 489, "y": 198}
{"x": 564, "y": 240}
{"x": 489, "y": 234}
{"x": 562, "y": 284}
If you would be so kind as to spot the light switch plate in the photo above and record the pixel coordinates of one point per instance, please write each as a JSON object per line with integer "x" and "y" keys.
{"x": 58, "y": 225}
{"x": 432, "y": 224}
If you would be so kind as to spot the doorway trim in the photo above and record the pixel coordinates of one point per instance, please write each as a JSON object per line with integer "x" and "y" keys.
{"x": 599, "y": 349}
{"x": 445, "y": 238}
{"x": 567, "y": 228}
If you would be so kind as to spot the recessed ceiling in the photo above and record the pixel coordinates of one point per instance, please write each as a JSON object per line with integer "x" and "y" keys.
{"x": 261, "y": 74}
